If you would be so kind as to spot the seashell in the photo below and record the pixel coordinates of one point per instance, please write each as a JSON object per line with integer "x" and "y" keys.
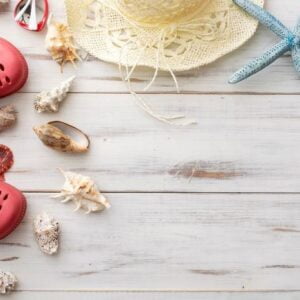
{"x": 49, "y": 101}
{"x": 46, "y": 230}
{"x": 4, "y": 2}
{"x": 83, "y": 192}
{"x": 59, "y": 43}
{"x": 8, "y": 116}
{"x": 54, "y": 135}
{"x": 8, "y": 282}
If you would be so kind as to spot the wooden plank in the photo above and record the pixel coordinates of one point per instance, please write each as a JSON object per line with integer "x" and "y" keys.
{"x": 100, "y": 77}
{"x": 197, "y": 242}
{"x": 154, "y": 296}
{"x": 241, "y": 144}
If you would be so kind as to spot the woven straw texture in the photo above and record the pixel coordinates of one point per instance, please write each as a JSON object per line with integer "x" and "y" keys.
{"x": 174, "y": 35}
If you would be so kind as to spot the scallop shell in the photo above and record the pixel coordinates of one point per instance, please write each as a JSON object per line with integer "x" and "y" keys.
{"x": 53, "y": 135}
{"x": 6, "y": 160}
{"x": 59, "y": 43}
{"x": 83, "y": 192}
{"x": 49, "y": 101}
{"x": 47, "y": 233}
{"x": 8, "y": 116}
{"x": 8, "y": 282}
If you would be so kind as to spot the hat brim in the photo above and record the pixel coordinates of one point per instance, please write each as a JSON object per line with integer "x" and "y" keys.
{"x": 109, "y": 36}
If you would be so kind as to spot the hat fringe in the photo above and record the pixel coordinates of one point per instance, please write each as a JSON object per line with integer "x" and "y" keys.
{"x": 161, "y": 43}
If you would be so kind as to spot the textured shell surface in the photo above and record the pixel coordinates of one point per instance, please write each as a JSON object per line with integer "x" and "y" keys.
{"x": 83, "y": 192}
{"x": 49, "y": 101}
{"x": 8, "y": 282}
{"x": 59, "y": 43}
{"x": 8, "y": 116}
{"x": 46, "y": 230}
{"x": 54, "y": 137}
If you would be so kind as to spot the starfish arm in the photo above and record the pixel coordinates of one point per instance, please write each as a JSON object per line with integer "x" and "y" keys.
{"x": 296, "y": 57}
{"x": 261, "y": 62}
{"x": 297, "y": 29}
{"x": 265, "y": 18}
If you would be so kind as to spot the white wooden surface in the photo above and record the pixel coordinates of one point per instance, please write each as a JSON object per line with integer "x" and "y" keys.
{"x": 204, "y": 212}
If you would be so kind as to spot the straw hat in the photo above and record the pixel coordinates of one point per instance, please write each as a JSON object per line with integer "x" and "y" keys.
{"x": 172, "y": 35}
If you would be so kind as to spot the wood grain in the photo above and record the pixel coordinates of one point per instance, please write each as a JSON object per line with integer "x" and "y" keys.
{"x": 197, "y": 242}
{"x": 240, "y": 240}
{"x": 241, "y": 144}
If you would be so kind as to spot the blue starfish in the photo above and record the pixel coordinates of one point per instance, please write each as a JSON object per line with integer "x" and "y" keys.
{"x": 290, "y": 42}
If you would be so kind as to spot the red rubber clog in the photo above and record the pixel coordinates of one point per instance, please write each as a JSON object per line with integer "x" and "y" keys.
{"x": 12, "y": 201}
{"x": 12, "y": 209}
{"x": 13, "y": 68}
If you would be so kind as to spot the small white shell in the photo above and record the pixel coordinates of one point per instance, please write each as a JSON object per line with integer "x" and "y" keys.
{"x": 49, "y": 101}
{"x": 47, "y": 233}
{"x": 8, "y": 282}
{"x": 83, "y": 192}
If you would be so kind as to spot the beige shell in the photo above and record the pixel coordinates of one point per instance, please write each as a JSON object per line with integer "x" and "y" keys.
{"x": 83, "y": 192}
{"x": 46, "y": 230}
{"x": 8, "y": 282}
{"x": 49, "y": 101}
{"x": 59, "y": 43}
{"x": 54, "y": 135}
{"x": 8, "y": 116}
{"x": 4, "y": 1}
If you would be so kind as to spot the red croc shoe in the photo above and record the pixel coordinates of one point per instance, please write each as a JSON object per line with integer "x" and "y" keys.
{"x": 12, "y": 209}
{"x": 12, "y": 201}
{"x": 13, "y": 69}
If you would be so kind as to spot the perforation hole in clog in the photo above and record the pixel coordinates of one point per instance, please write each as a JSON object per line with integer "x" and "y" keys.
{"x": 7, "y": 79}
{"x": 2, "y": 68}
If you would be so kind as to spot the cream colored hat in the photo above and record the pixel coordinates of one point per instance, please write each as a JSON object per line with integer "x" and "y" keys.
{"x": 172, "y": 35}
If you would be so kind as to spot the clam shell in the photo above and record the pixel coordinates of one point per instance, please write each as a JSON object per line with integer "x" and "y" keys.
{"x": 54, "y": 135}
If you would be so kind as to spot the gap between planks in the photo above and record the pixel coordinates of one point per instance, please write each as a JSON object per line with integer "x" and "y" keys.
{"x": 141, "y": 291}
{"x": 169, "y": 192}
{"x": 181, "y": 93}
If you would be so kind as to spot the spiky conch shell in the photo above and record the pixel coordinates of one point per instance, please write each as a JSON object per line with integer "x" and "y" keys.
{"x": 83, "y": 192}
{"x": 55, "y": 138}
{"x": 49, "y": 101}
{"x": 8, "y": 282}
{"x": 8, "y": 116}
{"x": 59, "y": 43}
{"x": 46, "y": 230}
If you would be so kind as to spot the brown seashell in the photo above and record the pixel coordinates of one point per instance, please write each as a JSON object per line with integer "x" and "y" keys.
{"x": 59, "y": 43}
{"x": 54, "y": 135}
{"x": 8, "y": 116}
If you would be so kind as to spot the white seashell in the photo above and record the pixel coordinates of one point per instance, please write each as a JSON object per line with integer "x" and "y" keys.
{"x": 83, "y": 192}
{"x": 47, "y": 233}
{"x": 49, "y": 101}
{"x": 8, "y": 282}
